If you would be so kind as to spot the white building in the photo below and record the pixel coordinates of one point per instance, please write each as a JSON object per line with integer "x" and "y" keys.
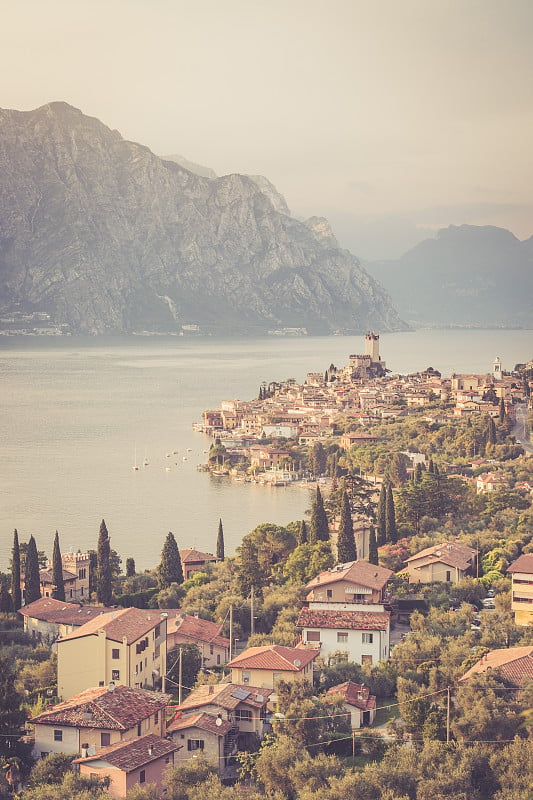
{"x": 361, "y": 636}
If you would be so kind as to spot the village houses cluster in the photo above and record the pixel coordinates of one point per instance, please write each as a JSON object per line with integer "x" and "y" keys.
{"x": 114, "y": 710}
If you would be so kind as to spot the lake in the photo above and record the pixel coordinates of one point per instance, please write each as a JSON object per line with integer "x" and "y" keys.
{"x": 75, "y": 413}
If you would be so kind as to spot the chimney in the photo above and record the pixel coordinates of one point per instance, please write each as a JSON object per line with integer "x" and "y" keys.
{"x": 211, "y": 688}
{"x": 150, "y": 750}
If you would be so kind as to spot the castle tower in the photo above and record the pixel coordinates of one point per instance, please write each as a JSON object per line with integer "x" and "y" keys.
{"x": 372, "y": 346}
{"x": 497, "y": 369}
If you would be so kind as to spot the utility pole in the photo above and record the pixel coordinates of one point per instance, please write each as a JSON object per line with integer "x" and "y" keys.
{"x": 230, "y": 632}
{"x": 252, "y": 612}
{"x": 180, "y": 676}
{"x": 448, "y": 717}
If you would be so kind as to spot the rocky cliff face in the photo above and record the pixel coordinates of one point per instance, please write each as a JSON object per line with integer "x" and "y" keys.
{"x": 105, "y": 236}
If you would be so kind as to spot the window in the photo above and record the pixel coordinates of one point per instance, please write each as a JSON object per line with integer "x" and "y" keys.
{"x": 246, "y": 676}
{"x": 448, "y": 575}
{"x": 313, "y": 636}
{"x": 368, "y": 638}
{"x": 195, "y": 744}
{"x": 82, "y": 574}
{"x": 156, "y": 718}
{"x": 243, "y": 715}
{"x": 58, "y": 736}
{"x": 366, "y": 660}
{"x": 115, "y": 653}
{"x": 211, "y": 649}
{"x": 218, "y": 658}
{"x": 342, "y": 637}
{"x": 142, "y": 776}
{"x": 139, "y": 729}
{"x": 141, "y": 667}
{"x": 105, "y": 739}
{"x": 101, "y": 683}
{"x": 329, "y": 593}
{"x": 115, "y": 674}
{"x": 157, "y": 631}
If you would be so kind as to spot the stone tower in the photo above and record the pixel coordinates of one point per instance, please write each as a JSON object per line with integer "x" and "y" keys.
{"x": 497, "y": 369}
{"x": 372, "y": 346}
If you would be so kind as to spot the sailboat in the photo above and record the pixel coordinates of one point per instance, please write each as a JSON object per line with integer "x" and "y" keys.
{"x": 135, "y": 467}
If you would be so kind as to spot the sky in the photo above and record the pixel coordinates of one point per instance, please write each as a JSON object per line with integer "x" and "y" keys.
{"x": 392, "y": 118}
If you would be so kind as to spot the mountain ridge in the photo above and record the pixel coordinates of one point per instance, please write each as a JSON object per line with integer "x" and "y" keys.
{"x": 106, "y": 237}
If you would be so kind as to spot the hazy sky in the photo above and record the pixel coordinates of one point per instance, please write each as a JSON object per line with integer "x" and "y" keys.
{"x": 390, "y": 117}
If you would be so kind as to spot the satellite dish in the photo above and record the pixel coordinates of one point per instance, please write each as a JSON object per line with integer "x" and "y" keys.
{"x": 218, "y": 721}
{"x": 297, "y": 662}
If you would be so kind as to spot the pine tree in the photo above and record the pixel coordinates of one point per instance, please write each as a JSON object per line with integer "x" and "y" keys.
{"x": 15, "y": 573}
{"x": 302, "y": 536}
{"x": 57, "y": 572}
{"x": 373, "y": 547}
{"x": 381, "y": 518}
{"x": 32, "y": 579}
{"x": 319, "y": 528}
{"x": 390, "y": 517}
{"x": 346, "y": 550}
{"x": 170, "y": 569}
{"x": 220, "y": 541}
{"x": 130, "y": 567}
{"x": 104, "y": 592}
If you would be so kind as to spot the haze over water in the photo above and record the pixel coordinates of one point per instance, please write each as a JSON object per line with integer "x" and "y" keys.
{"x": 74, "y": 412}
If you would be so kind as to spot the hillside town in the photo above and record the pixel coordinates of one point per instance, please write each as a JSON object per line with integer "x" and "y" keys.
{"x": 398, "y": 615}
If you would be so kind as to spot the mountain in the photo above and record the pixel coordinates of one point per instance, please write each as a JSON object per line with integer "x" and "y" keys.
{"x": 468, "y": 275}
{"x": 103, "y": 236}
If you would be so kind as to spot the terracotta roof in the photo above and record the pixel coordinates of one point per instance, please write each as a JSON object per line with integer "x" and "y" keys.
{"x": 117, "y": 710}
{"x": 46, "y": 576}
{"x": 206, "y": 722}
{"x": 348, "y": 620}
{"x": 360, "y": 572}
{"x": 227, "y": 696}
{"x": 202, "y": 630}
{"x": 133, "y": 754}
{"x": 515, "y": 664}
{"x": 355, "y": 694}
{"x": 454, "y": 554}
{"x": 128, "y": 623}
{"x": 190, "y": 554}
{"x": 523, "y": 563}
{"x": 47, "y": 609}
{"x": 274, "y": 657}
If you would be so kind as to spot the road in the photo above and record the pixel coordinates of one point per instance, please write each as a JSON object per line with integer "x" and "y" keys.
{"x": 519, "y": 430}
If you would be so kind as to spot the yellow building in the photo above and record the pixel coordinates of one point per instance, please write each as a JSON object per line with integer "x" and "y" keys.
{"x": 448, "y": 562}
{"x": 97, "y": 718}
{"x": 265, "y": 666}
{"x": 125, "y": 647}
{"x": 521, "y": 572}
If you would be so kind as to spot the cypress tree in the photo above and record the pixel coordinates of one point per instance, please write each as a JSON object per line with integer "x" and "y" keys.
{"x": 381, "y": 516}
{"x": 319, "y": 528}
{"x": 32, "y": 579}
{"x": 6, "y": 604}
{"x": 502, "y": 410}
{"x": 373, "y": 547}
{"x": 220, "y": 541}
{"x": 346, "y": 550}
{"x": 491, "y": 431}
{"x": 93, "y": 571}
{"x": 15, "y": 573}
{"x": 104, "y": 592}
{"x": 130, "y": 567}
{"x": 302, "y": 533}
{"x": 170, "y": 569}
{"x": 431, "y": 466}
{"x": 390, "y": 517}
{"x": 57, "y": 572}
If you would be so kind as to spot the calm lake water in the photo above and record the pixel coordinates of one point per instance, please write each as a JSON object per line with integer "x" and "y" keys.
{"x": 75, "y": 412}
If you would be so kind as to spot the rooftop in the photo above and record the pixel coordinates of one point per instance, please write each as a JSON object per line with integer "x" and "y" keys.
{"x": 454, "y": 554}
{"x": 347, "y": 620}
{"x": 202, "y": 630}
{"x": 360, "y": 572}
{"x": 354, "y": 694}
{"x": 523, "y": 563}
{"x": 133, "y": 754}
{"x": 47, "y": 609}
{"x": 207, "y": 722}
{"x": 123, "y": 623}
{"x": 119, "y": 709}
{"x": 274, "y": 657}
{"x": 227, "y": 696}
{"x": 515, "y": 664}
